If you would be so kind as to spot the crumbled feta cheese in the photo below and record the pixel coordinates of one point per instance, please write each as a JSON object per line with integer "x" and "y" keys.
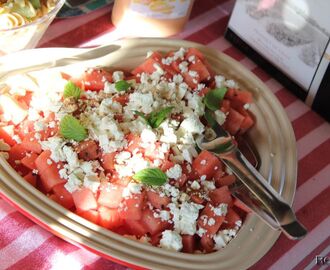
{"x": 109, "y": 88}
{"x": 33, "y": 114}
{"x": 171, "y": 240}
{"x": 39, "y": 126}
{"x": 110, "y": 125}
{"x": 219, "y": 81}
{"x": 179, "y": 54}
{"x": 183, "y": 66}
{"x": 223, "y": 237}
{"x": 211, "y": 222}
{"x": 132, "y": 188}
{"x": 54, "y": 144}
{"x": 185, "y": 217}
{"x": 118, "y": 76}
{"x": 221, "y": 209}
{"x": 123, "y": 156}
{"x": 169, "y": 135}
{"x": 184, "y": 197}
{"x": 192, "y": 124}
{"x": 148, "y": 136}
{"x": 231, "y": 84}
{"x": 246, "y": 106}
{"x": 140, "y": 102}
{"x": 174, "y": 172}
{"x": 177, "y": 78}
{"x": 17, "y": 139}
{"x": 208, "y": 185}
{"x": 195, "y": 185}
{"x": 171, "y": 191}
{"x": 71, "y": 157}
{"x": 73, "y": 183}
{"x": 193, "y": 73}
{"x": 164, "y": 215}
{"x": 91, "y": 181}
{"x": 195, "y": 102}
{"x": 220, "y": 117}
{"x": 192, "y": 58}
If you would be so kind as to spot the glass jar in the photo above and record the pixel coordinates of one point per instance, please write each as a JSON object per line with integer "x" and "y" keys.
{"x": 151, "y": 18}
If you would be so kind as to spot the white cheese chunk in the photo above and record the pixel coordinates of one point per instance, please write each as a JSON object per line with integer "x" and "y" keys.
{"x": 171, "y": 240}
{"x": 185, "y": 217}
{"x": 192, "y": 125}
{"x": 174, "y": 172}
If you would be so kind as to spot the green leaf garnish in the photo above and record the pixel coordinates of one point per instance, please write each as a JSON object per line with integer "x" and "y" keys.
{"x": 210, "y": 118}
{"x": 70, "y": 128}
{"x": 35, "y": 3}
{"x": 122, "y": 85}
{"x": 151, "y": 176}
{"x": 213, "y": 98}
{"x": 71, "y": 90}
{"x": 141, "y": 115}
{"x": 156, "y": 118}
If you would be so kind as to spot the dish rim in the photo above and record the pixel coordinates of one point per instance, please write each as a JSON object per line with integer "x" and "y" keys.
{"x": 252, "y": 220}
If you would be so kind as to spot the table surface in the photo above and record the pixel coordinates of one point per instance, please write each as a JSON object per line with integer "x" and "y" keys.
{"x": 25, "y": 245}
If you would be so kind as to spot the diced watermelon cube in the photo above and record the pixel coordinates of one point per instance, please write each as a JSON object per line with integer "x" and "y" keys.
{"x": 131, "y": 207}
{"x": 206, "y": 164}
{"x": 84, "y": 199}
{"x": 221, "y": 195}
{"x": 48, "y": 171}
{"x": 64, "y": 197}
{"x": 204, "y": 222}
{"x": 153, "y": 224}
{"x": 158, "y": 201}
{"x": 31, "y": 178}
{"x": 110, "y": 195}
{"x": 91, "y": 215}
{"x": 189, "y": 243}
{"x": 109, "y": 218}
{"x": 29, "y": 161}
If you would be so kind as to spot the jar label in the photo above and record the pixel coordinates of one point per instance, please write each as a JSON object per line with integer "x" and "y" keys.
{"x": 161, "y": 9}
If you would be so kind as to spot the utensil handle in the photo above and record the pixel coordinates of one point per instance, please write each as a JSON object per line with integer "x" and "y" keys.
{"x": 273, "y": 209}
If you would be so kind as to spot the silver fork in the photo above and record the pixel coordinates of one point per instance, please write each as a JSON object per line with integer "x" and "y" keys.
{"x": 252, "y": 188}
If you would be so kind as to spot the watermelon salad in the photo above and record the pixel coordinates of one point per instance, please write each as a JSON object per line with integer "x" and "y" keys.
{"x": 118, "y": 148}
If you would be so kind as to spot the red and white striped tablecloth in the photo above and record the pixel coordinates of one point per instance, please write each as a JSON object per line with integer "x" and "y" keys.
{"x": 25, "y": 245}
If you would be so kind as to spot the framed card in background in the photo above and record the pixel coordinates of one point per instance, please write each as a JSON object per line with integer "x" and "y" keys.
{"x": 289, "y": 39}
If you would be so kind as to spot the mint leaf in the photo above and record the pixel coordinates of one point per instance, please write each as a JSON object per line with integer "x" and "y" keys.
{"x": 151, "y": 176}
{"x": 213, "y": 98}
{"x": 71, "y": 90}
{"x": 70, "y": 128}
{"x": 142, "y": 115}
{"x": 122, "y": 85}
{"x": 210, "y": 118}
{"x": 156, "y": 118}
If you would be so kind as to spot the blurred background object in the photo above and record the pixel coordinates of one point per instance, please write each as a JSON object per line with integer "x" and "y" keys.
{"x": 151, "y": 18}
{"x": 79, "y": 7}
{"x": 23, "y": 22}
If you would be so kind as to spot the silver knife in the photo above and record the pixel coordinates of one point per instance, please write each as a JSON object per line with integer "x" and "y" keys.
{"x": 252, "y": 188}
